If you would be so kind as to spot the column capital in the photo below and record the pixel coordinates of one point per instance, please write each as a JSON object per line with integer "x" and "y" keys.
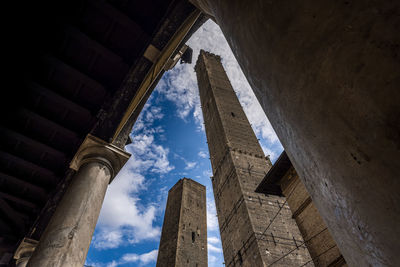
{"x": 25, "y": 249}
{"x": 95, "y": 149}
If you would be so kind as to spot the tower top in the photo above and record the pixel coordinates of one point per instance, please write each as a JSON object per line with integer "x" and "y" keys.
{"x": 184, "y": 233}
{"x": 205, "y": 54}
{"x": 188, "y": 180}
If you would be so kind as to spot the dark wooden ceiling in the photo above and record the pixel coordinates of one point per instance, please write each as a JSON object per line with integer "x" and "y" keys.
{"x": 65, "y": 65}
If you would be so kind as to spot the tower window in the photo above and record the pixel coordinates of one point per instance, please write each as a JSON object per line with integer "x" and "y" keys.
{"x": 193, "y": 237}
{"x": 233, "y": 114}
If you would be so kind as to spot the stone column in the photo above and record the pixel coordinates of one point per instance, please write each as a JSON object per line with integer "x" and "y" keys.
{"x": 24, "y": 252}
{"x": 327, "y": 74}
{"x": 67, "y": 237}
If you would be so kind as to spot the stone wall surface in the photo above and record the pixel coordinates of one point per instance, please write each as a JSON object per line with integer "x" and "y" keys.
{"x": 319, "y": 241}
{"x": 327, "y": 74}
{"x": 184, "y": 233}
{"x": 239, "y": 165}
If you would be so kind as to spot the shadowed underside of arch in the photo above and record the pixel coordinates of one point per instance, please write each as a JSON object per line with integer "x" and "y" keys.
{"x": 74, "y": 68}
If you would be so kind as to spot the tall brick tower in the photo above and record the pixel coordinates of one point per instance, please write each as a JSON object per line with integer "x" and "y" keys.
{"x": 255, "y": 230}
{"x": 184, "y": 233}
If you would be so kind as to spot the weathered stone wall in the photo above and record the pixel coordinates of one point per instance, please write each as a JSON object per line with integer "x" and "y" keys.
{"x": 239, "y": 165}
{"x": 184, "y": 234}
{"x": 170, "y": 228}
{"x": 192, "y": 243}
{"x": 327, "y": 74}
{"x": 320, "y": 243}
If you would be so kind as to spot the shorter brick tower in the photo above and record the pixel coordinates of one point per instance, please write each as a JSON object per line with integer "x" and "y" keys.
{"x": 184, "y": 233}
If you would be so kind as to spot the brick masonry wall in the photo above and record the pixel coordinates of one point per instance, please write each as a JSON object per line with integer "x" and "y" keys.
{"x": 320, "y": 243}
{"x": 184, "y": 233}
{"x": 239, "y": 165}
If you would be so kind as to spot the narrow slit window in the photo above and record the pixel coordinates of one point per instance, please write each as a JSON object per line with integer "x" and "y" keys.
{"x": 193, "y": 237}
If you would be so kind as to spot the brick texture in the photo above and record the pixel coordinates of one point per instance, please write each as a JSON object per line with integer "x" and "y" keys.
{"x": 239, "y": 165}
{"x": 184, "y": 232}
{"x": 320, "y": 243}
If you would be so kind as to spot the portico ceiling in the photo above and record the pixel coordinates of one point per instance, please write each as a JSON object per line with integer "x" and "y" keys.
{"x": 73, "y": 68}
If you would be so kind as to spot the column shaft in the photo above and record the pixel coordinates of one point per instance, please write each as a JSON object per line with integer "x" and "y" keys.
{"x": 327, "y": 74}
{"x": 66, "y": 239}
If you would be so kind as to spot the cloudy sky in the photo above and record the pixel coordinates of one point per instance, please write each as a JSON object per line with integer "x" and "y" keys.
{"x": 168, "y": 143}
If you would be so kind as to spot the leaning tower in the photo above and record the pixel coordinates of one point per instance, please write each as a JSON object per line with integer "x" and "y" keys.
{"x": 255, "y": 230}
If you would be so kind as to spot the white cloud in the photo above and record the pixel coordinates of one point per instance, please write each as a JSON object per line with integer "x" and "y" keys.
{"x": 148, "y": 155}
{"x": 180, "y": 87}
{"x": 153, "y": 114}
{"x": 180, "y": 84}
{"x": 124, "y": 218}
{"x": 190, "y": 165}
{"x": 212, "y": 260}
{"x": 203, "y": 154}
{"x": 214, "y": 245}
{"x": 212, "y": 221}
{"x": 112, "y": 264}
{"x": 138, "y": 259}
{"x": 213, "y": 248}
{"x": 143, "y": 258}
{"x": 108, "y": 239}
{"x": 207, "y": 173}
{"x": 213, "y": 240}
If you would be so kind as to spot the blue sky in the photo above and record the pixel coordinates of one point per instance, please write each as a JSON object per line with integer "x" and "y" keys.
{"x": 168, "y": 143}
